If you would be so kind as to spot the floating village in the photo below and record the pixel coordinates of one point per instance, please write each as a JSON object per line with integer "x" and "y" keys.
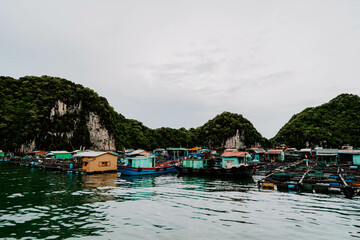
{"x": 282, "y": 168}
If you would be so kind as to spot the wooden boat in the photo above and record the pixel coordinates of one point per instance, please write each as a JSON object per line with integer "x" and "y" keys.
{"x": 232, "y": 164}
{"x": 145, "y": 165}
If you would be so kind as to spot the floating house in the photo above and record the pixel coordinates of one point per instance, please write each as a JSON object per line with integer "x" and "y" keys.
{"x": 231, "y": 164}
{"x": 127, "y": 151}
{"x": 138, "y": 152}
{"x": 275, "y": 155}
{"x": 159, "y": 151}
{"x": 198, "y": 158}
{"x": 292, "y": 154}
{"x": 307, "y": 153}
{"x": 59, "y": 154}
{"x": 141, "y": 161}
{"x": 40, "y": 153}
{"x": 191, "y": 151}
{"x": 198, "y": 163}
{"x": 198, "y": 153}
{"x": 92, "y": 161}
{"x": 176, "y": 153}
{"x": 76, "y": 152}
{"x": 350, "y": 157}
{"x": 140, "y": 158}
{"x": 327, "y": 157}
{"x": 234, "y": 159}
{"x": 256, "y": 153}
{"x": 144, "y": 164}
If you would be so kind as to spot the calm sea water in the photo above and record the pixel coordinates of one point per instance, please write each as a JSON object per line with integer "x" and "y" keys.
{"x": 38, "y": 204}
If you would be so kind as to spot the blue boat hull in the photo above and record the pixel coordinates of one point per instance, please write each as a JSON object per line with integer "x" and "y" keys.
{"x": 132, "y": 171}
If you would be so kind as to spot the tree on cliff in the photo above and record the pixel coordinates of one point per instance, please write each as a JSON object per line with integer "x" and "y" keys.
{"x": 54, "y": 113}
{"x": 332, "y": 124}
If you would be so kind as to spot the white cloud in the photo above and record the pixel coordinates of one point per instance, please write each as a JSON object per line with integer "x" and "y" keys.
{"x": 179, "y": 63}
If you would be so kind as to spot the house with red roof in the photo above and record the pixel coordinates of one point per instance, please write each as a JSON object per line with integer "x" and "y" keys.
{"x": 275, "y": 155}
{"x": 234, "y": 159}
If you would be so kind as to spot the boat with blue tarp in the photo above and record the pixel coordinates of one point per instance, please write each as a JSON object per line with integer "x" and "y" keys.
{"x": 231, "y": 164}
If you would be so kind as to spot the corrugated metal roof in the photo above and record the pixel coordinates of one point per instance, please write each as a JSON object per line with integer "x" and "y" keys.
{"x": 91, "y": 154}
{"x": 234, "y": 154}
{"x": 256, "y": 150}
{"x": 137, "y": 152}
{"x": 59, "y": 152}
{"x": 323, "y": 152}
{"x": 350, "y": 151}
{"x": 274, "y": 151}
{"x": 142, "y": 157}
{"x": 175, "y": 149}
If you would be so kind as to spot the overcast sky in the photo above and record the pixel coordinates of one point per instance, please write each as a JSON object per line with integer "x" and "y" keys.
{"x": 179, "y": 63}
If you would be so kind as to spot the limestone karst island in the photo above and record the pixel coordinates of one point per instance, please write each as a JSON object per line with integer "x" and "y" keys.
{"x": 52, "y": 128}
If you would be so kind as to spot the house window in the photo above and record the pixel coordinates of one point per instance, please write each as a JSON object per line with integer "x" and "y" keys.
{"x": 104, "y": 164}
{"x": 85, "y": 164}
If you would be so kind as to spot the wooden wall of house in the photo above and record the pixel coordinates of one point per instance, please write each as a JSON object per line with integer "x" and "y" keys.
{"x": 98, "y": 165}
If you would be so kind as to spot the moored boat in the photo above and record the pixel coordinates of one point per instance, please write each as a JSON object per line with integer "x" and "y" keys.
{"x": 144, "y": 165}
{"x": 231, "y": 164}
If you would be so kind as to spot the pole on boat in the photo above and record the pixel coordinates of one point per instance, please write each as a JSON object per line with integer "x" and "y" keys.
{"x": 303, "y": 176}
{"x": 348, "y": 190}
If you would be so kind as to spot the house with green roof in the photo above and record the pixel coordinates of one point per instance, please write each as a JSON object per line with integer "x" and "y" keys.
{"x": 59, "y": 154}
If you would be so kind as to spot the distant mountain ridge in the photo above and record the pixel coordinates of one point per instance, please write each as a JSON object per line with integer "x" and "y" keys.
{"x": 332, "y": 124}
{"x": 56, "y": 114}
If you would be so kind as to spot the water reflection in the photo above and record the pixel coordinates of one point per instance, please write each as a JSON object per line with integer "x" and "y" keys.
{"x": 37, "y": 203}
{"x": 41, "y": 204}
{"x": 98, "y": 186}
{"x": 215, "y": 184}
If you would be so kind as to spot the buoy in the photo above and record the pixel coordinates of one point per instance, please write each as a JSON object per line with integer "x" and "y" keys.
{"x": 268, "y": 185}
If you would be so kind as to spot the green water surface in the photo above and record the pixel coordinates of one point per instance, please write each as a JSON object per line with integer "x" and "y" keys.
{"x": 39, "y": 204}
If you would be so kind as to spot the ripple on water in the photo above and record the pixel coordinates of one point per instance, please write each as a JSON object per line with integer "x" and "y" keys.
{"x": 54, "y": 205}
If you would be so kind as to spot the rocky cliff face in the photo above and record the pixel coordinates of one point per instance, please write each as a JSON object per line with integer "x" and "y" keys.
{"x": 27, "y": 147}
{"x": 99, "y": 135}
{"x": 237, "y": 141}
{"x": 50, "y": 113}
{"x": 60, "y": 109}
{"x": 100, "y": 138}
{"x": 54, "y": 114}
{"x": 228, "y": 130}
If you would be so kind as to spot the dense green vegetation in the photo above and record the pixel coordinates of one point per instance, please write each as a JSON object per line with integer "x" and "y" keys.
{"x": 216, "y": 131}
{"x": 26, "y": 104}
{"x": 330, "y": 125}
{"x": 212, "y": 134}
{"x": 25, "y": 116}
{"x": 25, "y": 113}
